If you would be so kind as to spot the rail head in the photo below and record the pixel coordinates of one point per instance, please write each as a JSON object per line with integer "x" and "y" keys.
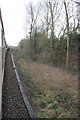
{"x": 23, "y": 94}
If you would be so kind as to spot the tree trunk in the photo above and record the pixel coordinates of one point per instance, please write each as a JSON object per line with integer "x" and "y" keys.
{"x": 67, "y": 26}
{"x": 52, "y": 33}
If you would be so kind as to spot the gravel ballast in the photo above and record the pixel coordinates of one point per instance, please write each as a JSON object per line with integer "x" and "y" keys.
{"x": 12, "y": 102}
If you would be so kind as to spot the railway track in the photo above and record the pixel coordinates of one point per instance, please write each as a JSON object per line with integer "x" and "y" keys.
{"x": 14, "y": 100}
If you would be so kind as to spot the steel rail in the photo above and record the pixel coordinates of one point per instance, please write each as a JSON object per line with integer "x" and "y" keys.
{"x": 23, "y": 94}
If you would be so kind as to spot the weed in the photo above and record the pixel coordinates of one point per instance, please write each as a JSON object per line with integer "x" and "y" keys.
{"x": 52, "y": 90}
{"x": 42, "y": 115}
{"x": 45, "y": 100}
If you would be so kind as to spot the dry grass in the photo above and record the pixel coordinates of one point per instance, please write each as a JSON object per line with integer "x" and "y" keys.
{"x": 52, "y": 82}
{"x": 51, "y": 79}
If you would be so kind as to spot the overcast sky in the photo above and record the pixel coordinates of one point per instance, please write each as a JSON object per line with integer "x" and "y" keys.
{"x": 13, "y": 13}
{"x": 14, "y": 19}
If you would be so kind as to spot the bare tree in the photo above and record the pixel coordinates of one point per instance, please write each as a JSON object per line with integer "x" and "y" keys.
{"x": 45, "y": 6}
{"x": 78, "y": 16}
{"x": 33, "y": 17}
{"x": 54, "y": 14}
{"x": 67, "y": 27}
{"x": 71, "y": 25}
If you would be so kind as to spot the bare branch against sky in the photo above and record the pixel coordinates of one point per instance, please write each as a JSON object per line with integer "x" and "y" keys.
{"x": 13, "y": 12}
{"x": 14, "y": 16}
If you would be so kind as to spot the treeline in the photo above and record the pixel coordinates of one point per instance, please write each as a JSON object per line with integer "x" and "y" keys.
{"x": 51, "y": 36}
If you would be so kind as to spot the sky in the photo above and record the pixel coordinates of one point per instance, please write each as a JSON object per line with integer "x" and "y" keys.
{"x": 14, "y": 16}
{"x": 14, "y": 19}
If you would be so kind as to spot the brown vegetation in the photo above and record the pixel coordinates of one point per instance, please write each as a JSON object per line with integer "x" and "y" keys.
{"x": 47, "y": 51}
{"x": 53, "y": 89}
